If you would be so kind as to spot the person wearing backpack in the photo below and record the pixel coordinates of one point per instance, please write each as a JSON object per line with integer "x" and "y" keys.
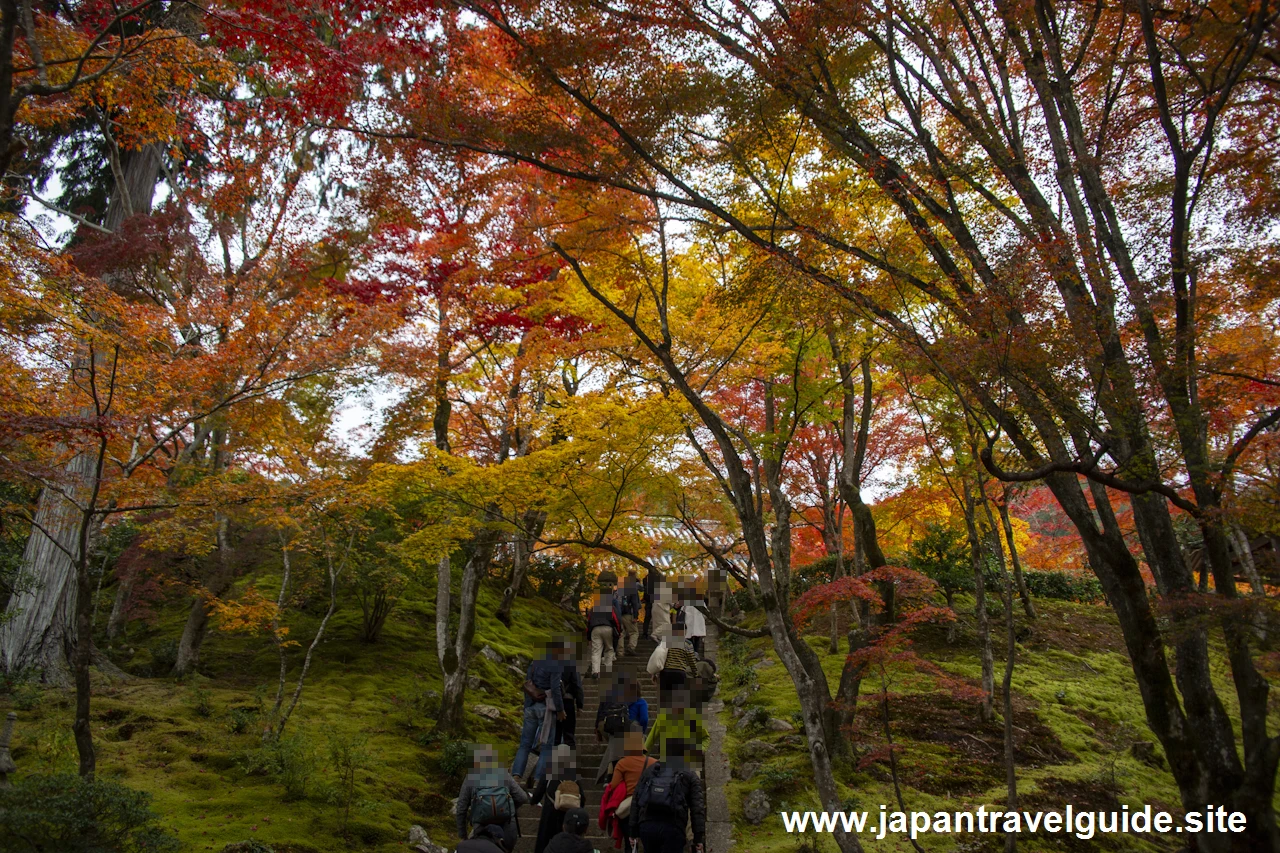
{"x": 629, "y": 614}
{"x": 668, "y": 800}
{"x": 557, "y": 795}
{"x": 603, "y": 627}
{"x": 637, "y": 706}
{"x": 489, "y": 795}
{"x": 572, "y": 839}
{"x": 613, "y": 718}
{"x": 613, "y": 715}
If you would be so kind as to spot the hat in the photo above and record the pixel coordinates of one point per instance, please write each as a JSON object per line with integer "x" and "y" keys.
{"x": 576, "y": 820}
{"x": 505, "y": 836}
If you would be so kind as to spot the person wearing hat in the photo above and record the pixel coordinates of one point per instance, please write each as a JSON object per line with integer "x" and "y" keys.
{"x": 573, "y": 838}
{"x": 629, "y": 614}
{"x": 490, "y": 839}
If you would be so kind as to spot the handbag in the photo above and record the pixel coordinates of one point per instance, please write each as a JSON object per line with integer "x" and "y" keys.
{"x": 536, "y": 693}
{"x": 568, "y": 796}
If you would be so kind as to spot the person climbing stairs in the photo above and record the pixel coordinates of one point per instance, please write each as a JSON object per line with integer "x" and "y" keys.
{"x": 590, "y": 750}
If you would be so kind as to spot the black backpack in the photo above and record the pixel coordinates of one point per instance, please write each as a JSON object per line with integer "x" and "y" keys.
{"x": 661, "y": 794}
{"x": 616, "y": 716}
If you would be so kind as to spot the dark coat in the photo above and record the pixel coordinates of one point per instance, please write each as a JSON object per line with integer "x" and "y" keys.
{"x": 486, "y": 838}
{"x": 548, "y": 674}
{"x": 571, "y": 680}
{"x": 695, "y": 798}
{"x": 567, "y": 842}
{"x": 651, "y": 583}
{"x": 552, "y": 820}
{"x": 479, "y": 845}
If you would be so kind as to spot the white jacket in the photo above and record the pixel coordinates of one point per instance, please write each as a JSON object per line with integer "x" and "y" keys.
{"x": 695, "y": 624}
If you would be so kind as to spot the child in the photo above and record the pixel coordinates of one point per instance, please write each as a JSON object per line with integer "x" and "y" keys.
{"x": 572, "y": 839}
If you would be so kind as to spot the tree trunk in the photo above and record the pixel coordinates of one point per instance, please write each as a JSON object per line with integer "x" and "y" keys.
{"x": 833, "y": 645}
{"x": 1011, "y": 651}
{"x": 1024, "y": 594}
{"x": 83, "y": 654}
{"x": 1240, "y": 541}
{"x": 198, "y": 617}
{"x": 845, "y": 707}
{"x": 980, "y": 601}
{"x": 40, "y": 630}
{"x": 445, "y": 653}
{"x": 452, "y": 717}
{"x": 1194, "y": 729}
{"x": 275, "y": 623}
{"x": 120, "y": 605}
{"x": 334, "y": 573}
{"x": 531, "y": 528}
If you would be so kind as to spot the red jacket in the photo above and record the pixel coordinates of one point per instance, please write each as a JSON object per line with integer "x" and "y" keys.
{"x": 609, "y": 802}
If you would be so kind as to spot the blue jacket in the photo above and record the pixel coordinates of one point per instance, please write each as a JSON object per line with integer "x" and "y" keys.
{"x": 547, "y": 674}
{"x": 638, "y": 711}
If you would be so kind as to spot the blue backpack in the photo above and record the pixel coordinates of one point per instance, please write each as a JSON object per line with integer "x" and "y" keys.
{"x": 492, "y": 804}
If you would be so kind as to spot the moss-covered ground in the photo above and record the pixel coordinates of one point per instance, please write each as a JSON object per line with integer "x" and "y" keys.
{"x": 197, "y": 746}
{"x": 1077, "y": 716}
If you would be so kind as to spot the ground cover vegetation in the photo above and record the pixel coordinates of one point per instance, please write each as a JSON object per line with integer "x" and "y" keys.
{"x": 343, "y": 344}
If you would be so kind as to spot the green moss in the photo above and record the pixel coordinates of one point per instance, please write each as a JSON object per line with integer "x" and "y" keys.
{"x": 1075, "y": 696}
{"x": 150, "y": 734}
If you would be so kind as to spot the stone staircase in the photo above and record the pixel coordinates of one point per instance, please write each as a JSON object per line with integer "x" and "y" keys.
{"x": 590, "y": 750}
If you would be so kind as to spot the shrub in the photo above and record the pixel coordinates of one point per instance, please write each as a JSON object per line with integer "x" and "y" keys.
{"x": 290, "y": 760}
{"x": 1063, "y": 586}
{"x": 455, "y": 759}
{"x": 820, "y": 571}
{"x": 942, "y": 553}
{"x": 240, "y": 718}
{"x": 755, "y": 716}
{"x": 348, "y": 755}
{"x": 201, "y": 701}
{"x": 775, "y": 779}
{"x": 808, "y": 845}
{"x": 23, "y": 687}
{"x": 164, "y": 654}
{"x": 251, "y": 845}
{"x": 746, "y": 599}
{"x": 553, "y": 577}
{"x": 742, "y": 676}
{"x": 378, "y": 584}
{"x": 74, "y": 815}
{"x": 424, "y": 702}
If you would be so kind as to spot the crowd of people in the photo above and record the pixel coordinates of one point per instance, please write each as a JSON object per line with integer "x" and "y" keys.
{"x": 654, "y": 796}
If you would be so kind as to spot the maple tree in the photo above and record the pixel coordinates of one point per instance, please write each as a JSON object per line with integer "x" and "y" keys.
{"x": 985, "y": 107}
{"x": 704, "y": 265}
